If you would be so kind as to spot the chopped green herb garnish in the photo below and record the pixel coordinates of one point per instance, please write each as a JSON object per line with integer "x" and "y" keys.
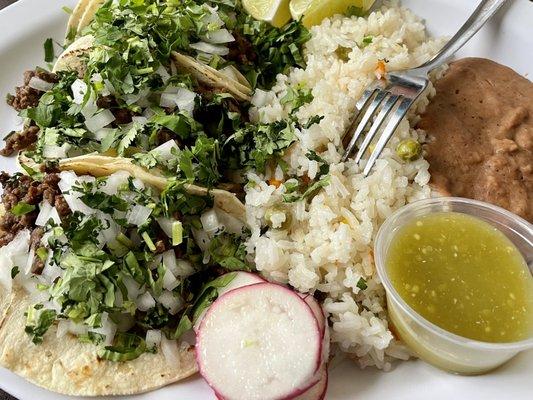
{"x": 22, "y": 208}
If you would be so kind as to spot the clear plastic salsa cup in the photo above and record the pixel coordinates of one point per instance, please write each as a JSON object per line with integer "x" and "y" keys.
{"x": 431, "y": 343}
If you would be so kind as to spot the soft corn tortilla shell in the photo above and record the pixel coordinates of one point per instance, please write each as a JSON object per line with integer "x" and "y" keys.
{"x": 71, "y": 59}
{"x": 66, "y": 366}
{"x": 75, "y": 17}
{"x": 98, "y": 165}
{"x": 212, "y": 77}
{"x": 89, "y": 13}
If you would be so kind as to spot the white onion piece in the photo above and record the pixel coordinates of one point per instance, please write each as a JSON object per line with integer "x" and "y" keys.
{"x": 153, "y": 338}
{"x": 170, "y": 262}
{"x": 230, "y": 223}
{"x": 54, "y": 151}
{"x": 155, "y": 262}
{"x": 139, "y": 120}
{"x": 79, "y": 90}
{"x": 202, "y": 238}
{"x": 165, "y": 150}
{"x": 89, "y": 108}
{"x": 62, "y": 328}
{"x": 99, "y": 120}
{"x": 170, "y": 351}
{"x": 210, "y": 48}
{"x": 212, "y": 18}
{"x": 103, "y": 133}
{"x": 44, "y": 214}
{"x": 113, "y": 229}
{"x": 132, "y": 287}
{"x": 29, "y": 261}
{"x": 169, "y": 280}
{"x": 166, "y": 225}
{"x": 109, "y": 86}
{"x": 75, "y": 204}
{"x": 219, "y": 36}
{"x": 138, "y": 215}
{"x": 114, "y": 181}
{"x": 108, "y": 329}
{"x": 167, "y": 100}
{"x": 39, "y": 84}
{"x": 51, "y": 271}
{"x": 170, "y": 301}
{"x": 185, "y": 269}
{"x": 138, "y": 184}
{"x": 185, "y": 100}
{"x": 145, "y": 302}
{"x": 210, "y": 221}
{"x": 163, "y": 73}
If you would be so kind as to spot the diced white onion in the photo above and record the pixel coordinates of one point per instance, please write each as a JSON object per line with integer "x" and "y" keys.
{"x": 202, "y": 238}
{"x": 132, "y": 287}
{"x": 145, "y": 302}
{"x": 67, "y": 326}
{"x": 99, "y": 120}
{"x": 212, "y": 18}
{"x": 44, "y": 214}
{"x": 138, "y": 215}
{"x": 79, "y": 90}
{"x": 39, "y": 84}
{"x": 170, "y": 301}
{"x": 138, "y": 184}
{"x": 163, "y": 73}
{"x": 29, "y": 261}
{"x": 153, "y": 338}
{"x": 114, "y": 181}
{"x": 184, "y": 269}
{"x": 165, "y": 150}
{"x": 170, "y": 262}
{"x": 230, "y": 223}
{"x": 140, "y": 120}
{"x": 113, "y": 229}
{"x": 170, "y": 351}
{"x": 210, "y": 221}
{"x": 166, "y": 225}
{"x": 53, "y": 151}
{"x": 183, "y": 98}
{"x": 169, "y": 280}
{"x": 51, "y": 271}
{"x": 62, "y": 328}
{"x": 210, "y": 48}
{"x": 108, "y": 329}
{"x": 219, "y": 36}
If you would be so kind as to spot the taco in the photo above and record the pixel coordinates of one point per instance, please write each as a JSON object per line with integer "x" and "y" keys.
{"x": 88, "y": 15}
{"x": 148, "y": 292}
{"x": 99, "y": 165}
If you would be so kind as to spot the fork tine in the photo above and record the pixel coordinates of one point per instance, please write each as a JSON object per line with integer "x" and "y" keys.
{"x": 388, "y": 132}
{"x": 389, "y": 104}
{"x": 370, "y": 111}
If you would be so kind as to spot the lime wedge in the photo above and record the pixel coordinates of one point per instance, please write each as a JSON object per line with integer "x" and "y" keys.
{"x": 318, "y": 10}
{"x": 299, "y": 7}
{"x": 276, "y": 12}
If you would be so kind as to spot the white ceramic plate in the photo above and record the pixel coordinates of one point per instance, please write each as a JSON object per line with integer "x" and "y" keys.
{"x": 507, "y": 39}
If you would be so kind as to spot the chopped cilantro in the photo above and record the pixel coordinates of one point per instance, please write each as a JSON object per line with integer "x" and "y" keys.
{"x": 48, "y": 50}
{"x": 22, "y": 208}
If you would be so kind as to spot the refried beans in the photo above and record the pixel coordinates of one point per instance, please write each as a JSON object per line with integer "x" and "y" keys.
{"x": 480, "y": 135}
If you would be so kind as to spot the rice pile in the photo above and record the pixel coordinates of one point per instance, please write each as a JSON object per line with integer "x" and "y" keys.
{"x": 327, "y": 243}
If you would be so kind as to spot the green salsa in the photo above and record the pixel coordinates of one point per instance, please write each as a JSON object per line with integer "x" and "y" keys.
{"x": 463, "y": 275}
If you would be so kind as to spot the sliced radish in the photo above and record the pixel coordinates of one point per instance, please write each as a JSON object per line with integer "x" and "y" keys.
{"x": 259, "y": 342}
{"x": 317, "y": 391}
{"x": 241, "y": 279}
{"x": 322, "y": 323}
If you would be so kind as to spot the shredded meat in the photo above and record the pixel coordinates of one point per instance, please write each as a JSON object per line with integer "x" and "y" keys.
{"x": 122, "y": 115}
{"x": 27, "y": 97}
{"x": 19, "y": 188}
{"x": 20, "y": 140}
{"x": 241, "y": 50}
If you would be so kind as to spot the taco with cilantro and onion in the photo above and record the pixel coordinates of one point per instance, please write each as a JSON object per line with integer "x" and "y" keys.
{"x": 103, "y": 275}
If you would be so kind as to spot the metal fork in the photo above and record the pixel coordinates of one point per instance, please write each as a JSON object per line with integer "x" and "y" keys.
{"x": 400, "y": 90}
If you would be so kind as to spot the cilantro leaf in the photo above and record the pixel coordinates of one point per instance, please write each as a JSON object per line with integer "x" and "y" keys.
{"x": 22, "y": 208}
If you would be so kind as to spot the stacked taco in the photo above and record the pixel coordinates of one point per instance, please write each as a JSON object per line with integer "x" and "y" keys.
{"x": 129, "y": 205}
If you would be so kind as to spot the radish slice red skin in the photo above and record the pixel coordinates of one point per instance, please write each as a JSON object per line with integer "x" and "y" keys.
{"x": 295, "y": 393}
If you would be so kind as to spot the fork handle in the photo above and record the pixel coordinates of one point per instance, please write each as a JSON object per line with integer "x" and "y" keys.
{"x": 484, "y": 11}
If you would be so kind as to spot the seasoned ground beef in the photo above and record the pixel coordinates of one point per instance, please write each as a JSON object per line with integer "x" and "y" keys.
{"x": 122, "y": 115}
{"x": 27, "y": 97}
{"x": 20, "y": 140}
{"x": 241, "y": 50}
{"x": 23, "y": 188}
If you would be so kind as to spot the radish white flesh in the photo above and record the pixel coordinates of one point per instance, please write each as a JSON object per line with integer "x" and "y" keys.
{"x": 259, "y": 342}
{"x": 322, "y": 323}
{"x": 241, "y": 279}
{"x": 318, "y": 391}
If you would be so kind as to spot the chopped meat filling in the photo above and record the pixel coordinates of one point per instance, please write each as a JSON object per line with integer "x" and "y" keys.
{"x": 241, "y": 50}
{"x": 20, "y": 140}
{"x": 27, "y": 97}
